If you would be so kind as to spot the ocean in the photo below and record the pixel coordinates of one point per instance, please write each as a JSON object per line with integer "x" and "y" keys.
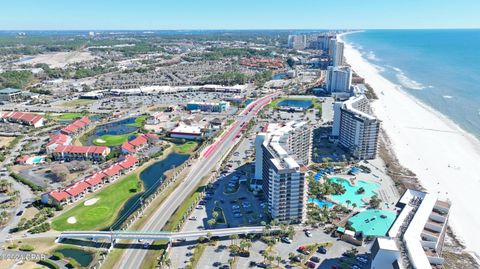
{"x": 439, "y": 67}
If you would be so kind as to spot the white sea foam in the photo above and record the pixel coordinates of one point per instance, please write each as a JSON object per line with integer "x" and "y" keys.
{"x": 408, "y": 82}
{"x": 447, "y": 96}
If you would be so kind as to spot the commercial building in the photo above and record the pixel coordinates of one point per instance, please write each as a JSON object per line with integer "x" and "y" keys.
{"x": 206, "y": 106}
{"x": 23, "y": 118}
{"x": 415, "y": 239}
{"x": 282, "y": 153}
{"x": 183, "y": 131}
{"x": 356, "y": 128}
{"x": 11, "y": 95}
{"x": 339, "y": 79}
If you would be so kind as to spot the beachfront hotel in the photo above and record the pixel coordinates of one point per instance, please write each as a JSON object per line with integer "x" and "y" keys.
{"x": 335, "y": 51}
{"x": 355, "y": 128}
{"x": 339, "y": 79}
{"x": 415, "y": 239}
{"x": 282, "y": 153}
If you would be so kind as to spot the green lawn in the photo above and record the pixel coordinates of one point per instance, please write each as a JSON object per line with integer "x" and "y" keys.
{"x": 187, "y": 147}
{"x": 66, "y": 116}
{"x": 112, "y": 140}
{"x": 103, "y": 213}
{"x": 139, "y": 121}
{"x": 78, "y": 102}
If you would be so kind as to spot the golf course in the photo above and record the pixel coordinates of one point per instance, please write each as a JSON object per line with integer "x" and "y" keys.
{"x": 101, "y": 214}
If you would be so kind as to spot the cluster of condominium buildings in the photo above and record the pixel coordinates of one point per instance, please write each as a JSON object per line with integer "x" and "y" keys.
{"x": 282, "y": 153}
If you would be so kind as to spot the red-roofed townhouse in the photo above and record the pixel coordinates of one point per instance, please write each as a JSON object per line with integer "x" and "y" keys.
{"x": 95, "y": 181}
{"x": 76, "y": 127}
{"x": 77, "y": 190}
{"x": 129, "y": 163}
{"x": 56, "y": 197}
{"x": 23, "y": 118}
{"x": 112, "y": 173}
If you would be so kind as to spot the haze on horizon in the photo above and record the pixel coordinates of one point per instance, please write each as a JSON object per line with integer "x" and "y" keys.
{"x": 246, "y": 14}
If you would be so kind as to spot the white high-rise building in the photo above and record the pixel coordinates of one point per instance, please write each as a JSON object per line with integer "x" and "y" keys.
{"x": 339, "y": 79}
{"x": 282, "y": 153}
{"x": 338, "y": 59}
{"x": 335, "y": 51}
{"x": 298, "y": 42}
{"x": 356, "y": 128}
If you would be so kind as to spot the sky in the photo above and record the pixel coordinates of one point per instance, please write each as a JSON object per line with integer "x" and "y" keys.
{"x": 236, "y": 14}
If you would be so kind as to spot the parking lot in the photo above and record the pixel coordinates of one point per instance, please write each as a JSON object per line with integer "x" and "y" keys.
{"x": 215, "y": 256}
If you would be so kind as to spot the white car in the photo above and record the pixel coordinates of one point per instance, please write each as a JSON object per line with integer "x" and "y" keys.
{"x": 308, "y": 233}
{"x": 286, "y": 240}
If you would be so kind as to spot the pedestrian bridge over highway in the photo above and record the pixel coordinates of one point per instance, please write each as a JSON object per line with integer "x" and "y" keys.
{"x": 112, "y": 236}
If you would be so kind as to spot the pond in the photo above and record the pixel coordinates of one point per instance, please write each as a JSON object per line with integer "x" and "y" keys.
{"x": 279, "y": 76}
{"x": 112, "y": 128}
{"x": 84, "y": 258}
{"x": 301, "y": 103}
{"x": 151, "y": 178}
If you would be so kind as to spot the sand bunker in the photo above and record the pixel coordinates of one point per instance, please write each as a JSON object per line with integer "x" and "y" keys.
{"x": 90, "y": 202}
{"x": 72, "y": 220}
{"x": 101, "y": 141}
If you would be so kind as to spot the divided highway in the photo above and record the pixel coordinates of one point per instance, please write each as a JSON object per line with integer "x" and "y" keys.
{"x": 210, "y": 160}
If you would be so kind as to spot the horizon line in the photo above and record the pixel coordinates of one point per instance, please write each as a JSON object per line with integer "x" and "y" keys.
{"x": 246, "y": 29}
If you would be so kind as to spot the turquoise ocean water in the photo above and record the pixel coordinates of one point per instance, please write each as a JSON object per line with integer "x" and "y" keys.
{"x": 439, "y": 67}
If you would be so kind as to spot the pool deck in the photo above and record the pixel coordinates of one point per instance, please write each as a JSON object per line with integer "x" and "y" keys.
{"x": 386, "y": 191}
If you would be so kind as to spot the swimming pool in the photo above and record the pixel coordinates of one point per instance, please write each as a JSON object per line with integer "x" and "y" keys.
{"x": 351, "y": 192}
{"x": 373, "y": 222}
{"x": 35, "y": 160}
{"x": 320, "y": 203}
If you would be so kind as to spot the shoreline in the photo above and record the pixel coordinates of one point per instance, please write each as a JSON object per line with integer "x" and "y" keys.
{"x": 423, "y": 138}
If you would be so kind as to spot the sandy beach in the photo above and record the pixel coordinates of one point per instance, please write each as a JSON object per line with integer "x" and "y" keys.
{"x": 445, "y": 158}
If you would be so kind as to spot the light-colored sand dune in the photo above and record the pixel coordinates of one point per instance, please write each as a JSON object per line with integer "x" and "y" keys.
{"x": 445, "y": 158}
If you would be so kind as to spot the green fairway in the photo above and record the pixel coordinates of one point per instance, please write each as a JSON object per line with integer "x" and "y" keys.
{"x": 139, "y": 121}
{"x": 187, "y": 147}
{"x": 103, "y": 213}
{"x": 66, "y": 116}
{"x": 112, "y": 140}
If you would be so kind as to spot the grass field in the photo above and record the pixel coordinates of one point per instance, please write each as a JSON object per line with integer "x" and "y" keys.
{"x": 112, "y": 140}
{"x": 139, "y": 121}
{"x": 78, "y": 102}
{"x": 103, "y": 213}
{"x": 6, "y": 140}
{"x": 65, "y": 116}
{"x": 187, "y": 147}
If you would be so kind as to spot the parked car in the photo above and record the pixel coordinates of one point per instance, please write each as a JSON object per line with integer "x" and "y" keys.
{"x": 310, "y": 264}
{"x": 308, "y": 233}
{"x": 286, "y": 240}
{"x": 296, "y": 258}
{"x": 322, "y": 250}
{"x": 315, "y": 259}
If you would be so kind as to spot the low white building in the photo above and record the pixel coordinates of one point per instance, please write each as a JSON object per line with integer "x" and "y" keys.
{"x": 183, "y": 131}
{"x": 418, "y": 234}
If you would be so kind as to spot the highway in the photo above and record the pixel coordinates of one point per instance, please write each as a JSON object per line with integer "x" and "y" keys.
{"x": 210, "y": 160}
{"x": 145, "y": 235}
